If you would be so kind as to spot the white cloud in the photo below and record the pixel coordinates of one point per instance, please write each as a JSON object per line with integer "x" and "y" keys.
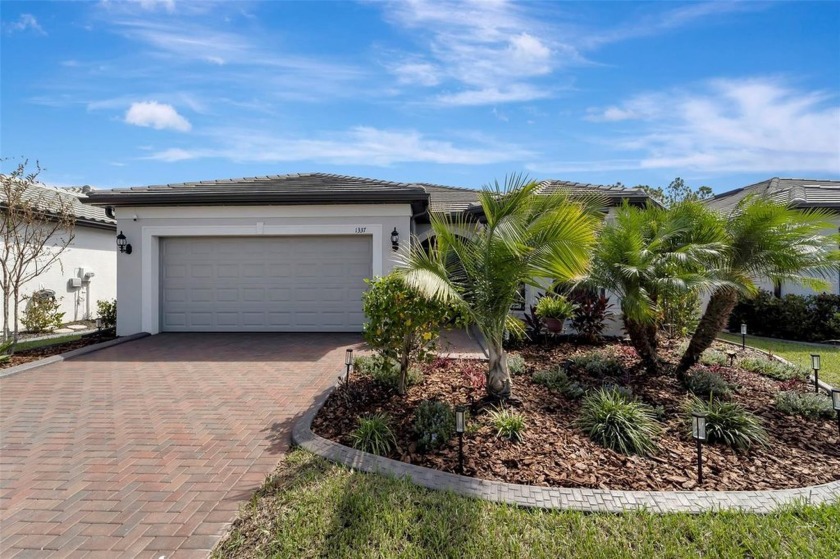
{"x": 359, "y": 145}
{"x": 493, "y": 95}
{"x": 152, "y": 5}
{"x": 471, "y": 44}
{"x": 156, "y": 115}
{"x": 24, "y": 22}
{"x": 746, "y": 125}
{"x": 417, "y": 73}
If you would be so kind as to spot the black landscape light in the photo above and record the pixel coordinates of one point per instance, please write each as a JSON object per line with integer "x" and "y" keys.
{"x": 815, "y": 365}
{"x": 395, "y": 239}
{"x": 460, "y": 421}
{"x": 122, "y": 243}
{"x": 743, "y": 335}
{"x": 98, "y": 324}
{"x": 835, "y": 403}
{"x": 348, "y": 362}
{"x": 698, "y": 431}
{"x": 731, "y": 355}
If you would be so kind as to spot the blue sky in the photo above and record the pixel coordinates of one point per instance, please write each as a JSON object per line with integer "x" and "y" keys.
{"x": 146, "y": 92}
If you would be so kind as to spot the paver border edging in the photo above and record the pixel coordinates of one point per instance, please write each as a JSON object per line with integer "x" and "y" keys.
{"x": 565, "y": 498}
{"x": 70, "y": 354}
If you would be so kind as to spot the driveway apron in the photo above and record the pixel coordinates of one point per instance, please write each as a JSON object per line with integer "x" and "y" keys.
{"x": 149, "y": 448}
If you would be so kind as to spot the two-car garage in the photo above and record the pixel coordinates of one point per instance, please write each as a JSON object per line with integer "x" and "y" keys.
{"x": 263, "y": 284}
{"x": 280, "y": 253}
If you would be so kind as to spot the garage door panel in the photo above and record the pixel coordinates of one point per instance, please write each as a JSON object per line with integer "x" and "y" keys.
{"x": 264, "y": 283}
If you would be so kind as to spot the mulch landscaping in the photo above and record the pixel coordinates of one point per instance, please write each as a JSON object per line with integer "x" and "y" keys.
{"x": 556, "y": 453}
{"x": 29, "y": 355}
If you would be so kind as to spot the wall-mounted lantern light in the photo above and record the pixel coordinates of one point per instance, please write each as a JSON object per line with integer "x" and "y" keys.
{"x": 122, "y": 243}
{"x": 395, "y": 239}
{"x": 698, "y": 431}
{"x": 835, "y": 403}
{"x": 815, "y": 365}
{"x": 743, "y": 335}
{"x": 460, "y": 425}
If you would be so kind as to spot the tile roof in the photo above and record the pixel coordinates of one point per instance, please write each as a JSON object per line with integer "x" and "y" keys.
{"x": 47, "y": 197}
{"x": 799, "y": 193}
{"x": 291, "y": 188}
{"x": 614, "y": 194}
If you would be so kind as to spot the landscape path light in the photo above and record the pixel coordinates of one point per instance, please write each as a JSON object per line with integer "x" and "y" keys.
{"x": 743, "y": 335}
{"x": 460, "y": 424}
{"x": 698, "y": 431}
{"x": 348, "y": 362}
{"x": 835, "y": 403}
{"x": 815, "y": 365}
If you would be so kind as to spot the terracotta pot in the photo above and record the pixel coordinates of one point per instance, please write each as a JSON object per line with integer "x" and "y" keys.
{"x": 554, "y": 325}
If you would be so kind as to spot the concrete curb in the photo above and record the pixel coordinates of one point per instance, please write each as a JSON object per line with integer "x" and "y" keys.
{"x": 563, "y": 498}
{"x": 70, "y": 354}
{"x": 823, "y": 385}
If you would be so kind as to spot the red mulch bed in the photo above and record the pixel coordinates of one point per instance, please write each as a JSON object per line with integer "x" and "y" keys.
{"x": 555, "y": 453}
{"x": 30, "y": 355}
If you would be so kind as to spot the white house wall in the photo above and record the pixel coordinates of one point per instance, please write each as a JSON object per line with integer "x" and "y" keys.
{"x": 138, "y": 273}
{"x": 93, "y": 250}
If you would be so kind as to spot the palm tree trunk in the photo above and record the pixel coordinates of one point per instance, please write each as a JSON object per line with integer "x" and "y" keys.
{"x": 498, "y": 375}
{"x": 714, "y": 319}
{"x": 644, "y": 344}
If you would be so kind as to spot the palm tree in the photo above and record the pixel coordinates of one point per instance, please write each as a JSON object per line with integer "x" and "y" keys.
{"x": 524, "y": 236}
{"x": 764, "y": 239}
{"x": 647, "y": 252}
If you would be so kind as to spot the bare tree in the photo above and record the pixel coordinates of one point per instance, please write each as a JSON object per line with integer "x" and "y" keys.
{"x": 36, "y": 225}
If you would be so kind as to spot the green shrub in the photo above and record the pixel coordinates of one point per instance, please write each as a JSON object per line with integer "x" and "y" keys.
{"x": 729, "y": 423}
{"x": 616, "y": 422}
{"x": 600, "y": 363}
{"x": 386, "y": 371}
{"x": 772, "y": 368}
{"x": 713, "y": 357}
{"x": 41, "y": 314}
{"x": 374, "y": 435}
{"x": 557, "y": 380}
{"x": 555, "y": 306}
{"x": 809, "y": 318}
{"x": 806, "y": 404}
{"x": 434, "y": 424}
{"x": 402, "y": 325}
{"x": 508, "y": 424}
{"x": 706, "y": 384}
{"x": 107, "y": 312}
{"x": 516, "y": 364}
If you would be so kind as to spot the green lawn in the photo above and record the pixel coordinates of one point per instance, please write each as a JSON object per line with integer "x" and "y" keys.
{"x": 798, "y": 354}
{"x": 313, "y": 508}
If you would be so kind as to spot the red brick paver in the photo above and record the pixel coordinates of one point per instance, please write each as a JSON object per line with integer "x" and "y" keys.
{"x": 149, "y": 448}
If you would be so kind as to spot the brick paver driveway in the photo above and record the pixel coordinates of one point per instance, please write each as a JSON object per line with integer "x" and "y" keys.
{"x": 149, "y": 448}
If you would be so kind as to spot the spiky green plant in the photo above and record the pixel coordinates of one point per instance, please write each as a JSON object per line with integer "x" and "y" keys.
{"x": 509, "y": 425}
{"x": 764, "y": 239}
{"x": 479, "y": 265}
{"x": 728, "y": 423}
{"x": 374, "y": 435}
{"x": 646, "y": 253}
{"x": 615, "y": 421}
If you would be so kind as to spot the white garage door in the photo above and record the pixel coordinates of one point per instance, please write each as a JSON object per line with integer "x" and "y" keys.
{"x": 263, "y": 284}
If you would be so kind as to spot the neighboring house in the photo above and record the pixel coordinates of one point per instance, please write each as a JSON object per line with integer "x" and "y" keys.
{"x": 285, "y": 253}
{"x": 798, "y": 193}
{"x": 87, "y": 268}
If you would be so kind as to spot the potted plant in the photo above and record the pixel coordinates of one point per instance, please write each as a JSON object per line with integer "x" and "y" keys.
{"x": 554, "y": 310}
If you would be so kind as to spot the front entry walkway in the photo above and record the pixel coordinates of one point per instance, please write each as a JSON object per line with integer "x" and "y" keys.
{"x": 149, "y": 448}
